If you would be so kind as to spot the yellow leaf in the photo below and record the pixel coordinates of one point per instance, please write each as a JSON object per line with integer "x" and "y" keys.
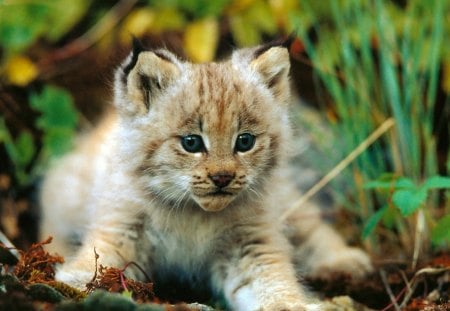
{"x": 136, "y": 24}
{"x": 20, "y": 70}
{"x": 200, "y": 40}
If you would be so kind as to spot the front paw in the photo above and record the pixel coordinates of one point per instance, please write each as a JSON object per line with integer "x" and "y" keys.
{"x": 74, "y": 278}
{"x": 271, "y": 298}
{"x": 348, "y": 261}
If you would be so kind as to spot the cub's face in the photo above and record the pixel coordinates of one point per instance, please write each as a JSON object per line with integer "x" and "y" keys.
{"x": 210, "y": 133}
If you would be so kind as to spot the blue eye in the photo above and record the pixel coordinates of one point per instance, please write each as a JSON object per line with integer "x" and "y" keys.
{"x": 192, "y": 143}
{"x": 245, "y": 142}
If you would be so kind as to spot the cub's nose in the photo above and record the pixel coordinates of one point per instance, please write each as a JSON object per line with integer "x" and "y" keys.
{"x": 221, "y": 179}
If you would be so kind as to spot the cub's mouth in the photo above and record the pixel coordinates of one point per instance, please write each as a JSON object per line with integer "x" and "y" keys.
{"x": 220, "y": 192}
{"x": 215, "y": 201}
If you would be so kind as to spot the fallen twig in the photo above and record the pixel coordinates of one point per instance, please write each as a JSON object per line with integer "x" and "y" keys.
{"x": 8, "y": 245}
{"x": 389, "y": 292}
{"x": 410, "y": 287}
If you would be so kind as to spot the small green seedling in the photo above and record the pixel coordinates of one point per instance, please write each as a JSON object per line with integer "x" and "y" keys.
{"x": 407, "y": 197}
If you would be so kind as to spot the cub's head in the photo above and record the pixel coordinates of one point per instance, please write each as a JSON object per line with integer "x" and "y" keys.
{"x": 205, "y": 134}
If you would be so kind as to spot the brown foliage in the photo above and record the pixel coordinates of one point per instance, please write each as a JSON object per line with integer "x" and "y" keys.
{"x": 114, "y": 280}
{"x": 36, "y": 265}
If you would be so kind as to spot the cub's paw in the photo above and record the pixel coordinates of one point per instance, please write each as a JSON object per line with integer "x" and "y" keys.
{"x": 348, "y": 261}
{"x": 74, "y": 278}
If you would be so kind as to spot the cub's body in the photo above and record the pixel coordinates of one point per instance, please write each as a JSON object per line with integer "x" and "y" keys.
{"x": 187, "y": 177}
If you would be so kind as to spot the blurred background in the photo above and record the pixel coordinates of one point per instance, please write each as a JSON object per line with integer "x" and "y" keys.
{"x": 355, "y": 64}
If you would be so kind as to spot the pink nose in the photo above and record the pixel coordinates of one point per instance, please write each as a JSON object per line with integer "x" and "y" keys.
{"x": 221, "y": 179}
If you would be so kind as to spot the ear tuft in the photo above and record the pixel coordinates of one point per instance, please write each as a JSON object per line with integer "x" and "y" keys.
{"x": 285, "y": 43}
{"x": 143, "y": 77}
{"x": 131, "y": 61}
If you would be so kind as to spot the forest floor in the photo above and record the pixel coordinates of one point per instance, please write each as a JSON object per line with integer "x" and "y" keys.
{"x": 28, "y": 284}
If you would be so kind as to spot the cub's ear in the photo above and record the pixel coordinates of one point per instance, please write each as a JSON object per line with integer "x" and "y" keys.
{"x": 271, "y": 63}
{"x": 143, "y": 77}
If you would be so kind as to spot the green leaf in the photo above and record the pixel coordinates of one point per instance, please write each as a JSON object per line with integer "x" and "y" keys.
{"x": 196, "y": 8}
{"x": 20, "y": 152}
{"x": 58, "y": 119}
{"x": 373, "y": 221}
{"x": 57, "y": 141}
{"x": 21, "y": 24}
{"x": 5, "y": 137}
{"x": 25, "y": 149}
{"x": 127, "y": 294}
{"x": 390, "y": 217}
{"x": 437, "y": 182}
{"x": 398, "y": 183}
{"x": 408, "y": 201}
{"x": 441, "y": 232}
{"x": 4, "y": 133}
{"x": 15, "y": 37}
{"x": 56, "y": 106}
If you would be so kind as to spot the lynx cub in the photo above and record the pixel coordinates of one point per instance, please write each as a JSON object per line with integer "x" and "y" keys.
{"x": 187, "y": 177}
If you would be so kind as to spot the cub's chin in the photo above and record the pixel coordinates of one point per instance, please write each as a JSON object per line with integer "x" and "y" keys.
{"x": 214, "y": 202}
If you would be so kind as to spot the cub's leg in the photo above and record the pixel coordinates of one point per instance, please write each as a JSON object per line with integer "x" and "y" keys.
{"x": 319, "y": 249}
{"x": 65, "y": 191}
{"x": 115, "y": 237}
{"x": 254, "y": 271}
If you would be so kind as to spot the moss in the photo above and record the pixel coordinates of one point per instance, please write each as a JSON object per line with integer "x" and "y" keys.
{"x": 44, "y": 292}
{"x": 103, "y": 300}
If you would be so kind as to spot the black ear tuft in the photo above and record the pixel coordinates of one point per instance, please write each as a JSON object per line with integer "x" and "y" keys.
{"x": 282, "y": 42}
{"x": 138, "y": 48}
{"x": 289, "y": 40}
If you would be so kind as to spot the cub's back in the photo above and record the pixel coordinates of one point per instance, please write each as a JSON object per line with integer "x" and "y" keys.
{"x": 67, "y": 187}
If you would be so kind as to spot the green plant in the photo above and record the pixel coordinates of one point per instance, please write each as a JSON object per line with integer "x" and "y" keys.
{"x": 22, "y": 21}
{"x": 57, "y": 121}
{"x": 377, "y": 60}
{"x": 407, "y": 198}
{"x": 193, "y": 8}
{"x": 20, "y": 151}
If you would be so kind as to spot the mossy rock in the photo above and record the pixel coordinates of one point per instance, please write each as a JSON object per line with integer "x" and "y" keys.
{"x": 102, "y": 300}
{"x": 43, "y": 292}
{"x": 10, "y": 283}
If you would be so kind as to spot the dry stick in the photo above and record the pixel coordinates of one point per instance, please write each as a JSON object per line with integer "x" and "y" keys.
{"x": 414, "y": 282}
{"x": 8, "y": 245}
{"x": 388, "y": 290}
{"x": 386, "y": 125}
{"x": 408, "y": 290}
{"x": 420, "y": 229}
